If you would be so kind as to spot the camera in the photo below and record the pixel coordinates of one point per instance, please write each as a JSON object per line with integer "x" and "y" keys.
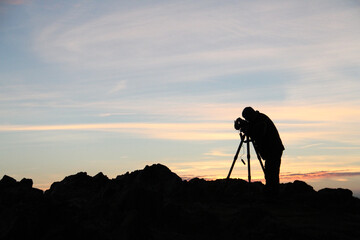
{"x": 241, "y": 125}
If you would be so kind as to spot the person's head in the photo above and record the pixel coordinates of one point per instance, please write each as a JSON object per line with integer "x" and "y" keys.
{"x": 249, "y": 114}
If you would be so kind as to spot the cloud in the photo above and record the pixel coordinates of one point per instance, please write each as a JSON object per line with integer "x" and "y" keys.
{"x": 212, "y": 170}
{"x": 218, "y": 40}
{"x": 342, "y": 148}
{"x": 114, "y": 114}
{"x": 216, "y": 153}
{"x": 118, "y": 87}
{"x": 307, "y": 126}
{"x": 154, "y": 45}
{"x": 170, "y": 131}
{"x": 319, "y": 175}
{"x": 310, "y": 145}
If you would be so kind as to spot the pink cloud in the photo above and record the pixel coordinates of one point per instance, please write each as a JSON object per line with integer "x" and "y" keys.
{"x": 318, "y": 175}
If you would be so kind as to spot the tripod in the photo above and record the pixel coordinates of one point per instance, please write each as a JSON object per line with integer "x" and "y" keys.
{"x": 245, "y": 139}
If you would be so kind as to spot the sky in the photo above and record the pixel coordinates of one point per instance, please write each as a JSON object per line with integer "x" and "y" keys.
{"x": 113, "y": 86}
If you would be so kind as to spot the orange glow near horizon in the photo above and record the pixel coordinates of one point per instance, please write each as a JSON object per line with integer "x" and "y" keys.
{"x": 187, "y": 174}
{"x": 215, "y": 163}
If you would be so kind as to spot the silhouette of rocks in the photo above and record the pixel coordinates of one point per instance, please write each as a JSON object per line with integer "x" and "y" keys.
{"x": 20, "y": 209}
{"x": 154, "y": 203}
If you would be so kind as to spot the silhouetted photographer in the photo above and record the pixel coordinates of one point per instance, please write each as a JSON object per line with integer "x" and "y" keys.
{"x": 266, "y": 140}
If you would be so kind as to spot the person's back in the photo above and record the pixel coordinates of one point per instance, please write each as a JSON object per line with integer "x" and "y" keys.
{"x": 265, "y": 135}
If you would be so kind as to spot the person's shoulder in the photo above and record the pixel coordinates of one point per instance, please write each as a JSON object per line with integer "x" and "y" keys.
{"x": 264, "y": 118}
{"x": 262, "y": 115}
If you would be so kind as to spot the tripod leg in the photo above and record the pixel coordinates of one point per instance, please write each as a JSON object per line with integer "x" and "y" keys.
{"x": 236, "y": 155}
{"x": 258, "y": 156}
{"x": 248, "y": 157}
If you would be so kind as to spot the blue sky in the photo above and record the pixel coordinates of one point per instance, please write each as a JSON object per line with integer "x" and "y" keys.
{"x": 114, "y": 85}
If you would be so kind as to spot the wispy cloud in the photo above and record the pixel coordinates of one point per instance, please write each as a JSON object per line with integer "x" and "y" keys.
{"x": 297, "y": 125}
{"x": 171, "y": 131}
{"x": 114, "y": 114}
{"x": 216, "y": 153}
{"x": 318, "y": 175}
{"x": 118, "y": 87}
{"x": 215, "y": 38}
{"x": 310, "y": 145}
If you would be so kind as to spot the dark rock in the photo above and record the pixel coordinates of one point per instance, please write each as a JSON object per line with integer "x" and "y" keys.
{"x": 7, "y": 181}
{"x": 100, "y": 178}
{"x": 297, "y": 188}
{"x": 339, "y": 197}
{"x": 27, "y": 183}
{"x": 158, "y": 178}
{"x": 20, "y": 209}
{"x": 337, "y": 194}
{"x": 154, "y": 203}
{"x": 76, "y": 189}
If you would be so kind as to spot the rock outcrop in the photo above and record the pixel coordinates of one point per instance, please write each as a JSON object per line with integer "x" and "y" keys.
{"x": 154, "y": 203}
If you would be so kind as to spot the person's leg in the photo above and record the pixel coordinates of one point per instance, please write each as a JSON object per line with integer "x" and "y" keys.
{"x": 272, "y": 171}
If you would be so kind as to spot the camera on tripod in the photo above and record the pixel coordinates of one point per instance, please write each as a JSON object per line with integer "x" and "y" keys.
{"x": 241, "y": 125}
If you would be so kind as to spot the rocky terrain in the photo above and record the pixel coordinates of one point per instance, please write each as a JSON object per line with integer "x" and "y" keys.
{"x": 154, "y": 203}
